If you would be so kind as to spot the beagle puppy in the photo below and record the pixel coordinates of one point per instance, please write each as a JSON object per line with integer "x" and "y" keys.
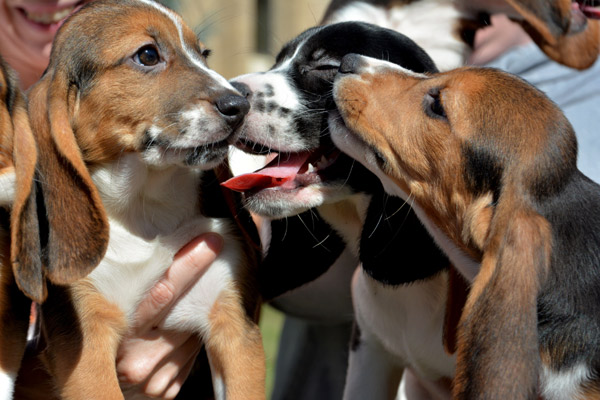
{"x": 351, "y": 220}
{"x": 566, "y": 30}
{"x": 17, "y": 167}
{"x": 489, "y": 164}
{"x": 132, "y": 123}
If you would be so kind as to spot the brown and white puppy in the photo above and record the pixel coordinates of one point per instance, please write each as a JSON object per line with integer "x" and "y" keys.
{"x": 489, "y": 164}
{"x": 566, "y": 30}
{"x": 131, "y": 122}
{"x": 17, "y": 167}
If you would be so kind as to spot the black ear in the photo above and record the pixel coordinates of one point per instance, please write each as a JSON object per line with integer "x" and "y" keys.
{"x": 395, "y": 247}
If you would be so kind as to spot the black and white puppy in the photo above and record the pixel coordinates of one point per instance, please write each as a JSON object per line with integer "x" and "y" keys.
{"x": 341, "y": 203}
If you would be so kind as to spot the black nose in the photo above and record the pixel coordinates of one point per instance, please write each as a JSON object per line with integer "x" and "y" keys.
{"x": 350, "y": 64}
{"x": 233, "y": 108}
{"x": 242, "y": 88}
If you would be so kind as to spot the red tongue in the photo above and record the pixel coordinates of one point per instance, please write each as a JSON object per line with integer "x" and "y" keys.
{"x": 279, "y": 171}
{"x": 591, "y": 12}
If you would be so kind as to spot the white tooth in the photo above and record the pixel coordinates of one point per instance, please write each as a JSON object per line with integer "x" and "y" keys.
{"x": 311, "y": 168}
{"x": 49, "y": 18}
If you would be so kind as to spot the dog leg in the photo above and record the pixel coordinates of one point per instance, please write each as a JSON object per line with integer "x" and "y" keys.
{"x": 372, "y": 372}
{"x": 14, "y": 322}
{"x": 235, "y": 351}
{"x": 82, "y": 331}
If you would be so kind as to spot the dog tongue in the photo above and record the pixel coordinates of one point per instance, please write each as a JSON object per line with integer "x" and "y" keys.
{"x": 591, "y": 12}
{"x": 279, "y": 171}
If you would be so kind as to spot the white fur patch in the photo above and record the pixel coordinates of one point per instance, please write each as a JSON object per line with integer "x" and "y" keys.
{"x": 407, "y": 320}
{"x": 7, "y": 187}
{"x": 564, "y": 385}
{"x": 436, "y": 35}
{"x": 284, "y": 95}
{"x": 272, "y": 128}
{"x": 7, "y": 385}
{"x": 152, "y": 214}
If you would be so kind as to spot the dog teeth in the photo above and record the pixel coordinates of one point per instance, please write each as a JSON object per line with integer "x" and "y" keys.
{"x": 311, "y": 168}
{"x": 322, "y": 163}
{"x": 49, "y": 18}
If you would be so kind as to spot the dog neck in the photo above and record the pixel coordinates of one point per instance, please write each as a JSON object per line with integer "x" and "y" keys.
{"x": 147, "y": 201}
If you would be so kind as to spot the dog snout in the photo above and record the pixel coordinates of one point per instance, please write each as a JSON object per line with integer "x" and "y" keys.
{"x": 243, "y": 89}
{"x": 233, "y": 108}
{"x": 350, "y": 64}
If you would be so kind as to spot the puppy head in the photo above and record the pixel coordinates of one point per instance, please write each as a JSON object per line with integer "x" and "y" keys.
{"x": 124, "y": 77}
{"x": 457, "y": 142}
{"x": 288, "y": 118}
{"x": 479, "y": 151}
{"x": 134, "y": 79}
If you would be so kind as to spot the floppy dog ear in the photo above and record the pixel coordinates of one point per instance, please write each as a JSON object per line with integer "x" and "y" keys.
{"x": 25, "y": 241}
{"x": 550, "y": 27}
{"x": 498, "y": 340}
{"x": 76, "y": 234}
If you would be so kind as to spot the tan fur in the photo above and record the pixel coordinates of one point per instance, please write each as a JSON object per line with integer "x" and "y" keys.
{"x": 235, "y": 342}
{"x": 85, "y": 116}
{"x": 17, "y": 155}
{"x": 427, "y": 159}
{"x": 561, "y": 43}
{"x": 76, "y": 353}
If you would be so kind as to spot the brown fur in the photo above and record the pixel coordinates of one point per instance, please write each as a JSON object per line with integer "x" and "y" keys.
{"x": 87, "y": 110}
{"x": 17, "y": 155}
{"x": 502, "y": 230}
{"x": 555, "y": 33}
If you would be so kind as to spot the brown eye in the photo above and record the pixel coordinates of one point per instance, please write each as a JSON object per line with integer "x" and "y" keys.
{"x": 147, "y": 56}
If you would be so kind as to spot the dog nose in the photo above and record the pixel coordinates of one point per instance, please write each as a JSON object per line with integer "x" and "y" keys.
{"x": 350, "y": 64}
{"x": 233, "y": 108}
{"x": 243, "y": 89}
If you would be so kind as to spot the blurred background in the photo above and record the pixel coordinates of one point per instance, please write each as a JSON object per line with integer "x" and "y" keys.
{"x": 245, "y": 35}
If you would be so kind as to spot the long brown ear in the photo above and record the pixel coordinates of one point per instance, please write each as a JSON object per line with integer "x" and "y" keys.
{"x": 25, "y": 240}
{"x": 550, "y": 25}
{"x": 498, "y": 353}
{"x": 76, "y": 234}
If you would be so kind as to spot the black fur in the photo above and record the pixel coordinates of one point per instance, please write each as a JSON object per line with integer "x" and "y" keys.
{"x": 393, "y": 238}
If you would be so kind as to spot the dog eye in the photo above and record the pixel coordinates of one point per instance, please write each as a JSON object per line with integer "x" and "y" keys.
{"x": 147, "y": 56}
{"x": 433, "y": 104}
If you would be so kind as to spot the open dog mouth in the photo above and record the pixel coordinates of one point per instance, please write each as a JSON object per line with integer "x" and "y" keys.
{"x": 288, "y": 171}
{"x": 589, "y": 8}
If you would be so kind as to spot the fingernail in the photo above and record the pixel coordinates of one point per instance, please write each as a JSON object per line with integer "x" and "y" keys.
{"x": 214, "y": 241}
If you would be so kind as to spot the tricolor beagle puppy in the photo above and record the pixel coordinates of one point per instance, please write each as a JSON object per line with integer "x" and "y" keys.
{"x": 566, "y": 30}
{"x": 349, "y": 216}
{"x": 131, "y": 122}
{"x": 489, "y": 165}
{"x": 17, "y": 167}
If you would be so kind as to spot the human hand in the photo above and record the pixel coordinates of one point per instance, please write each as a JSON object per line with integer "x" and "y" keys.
{"x": 152, "y": 361}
